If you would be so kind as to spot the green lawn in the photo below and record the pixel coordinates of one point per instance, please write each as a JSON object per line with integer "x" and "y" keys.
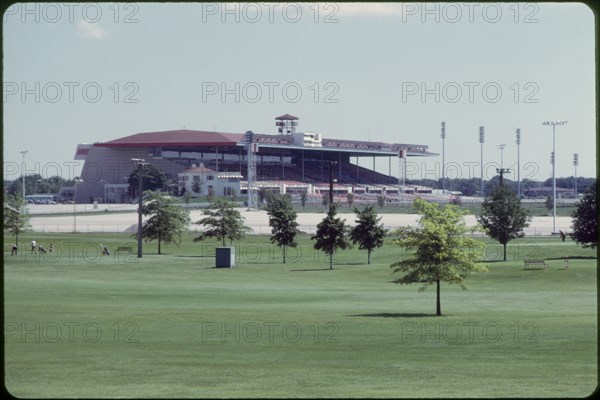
{"x": 84, "y": 325}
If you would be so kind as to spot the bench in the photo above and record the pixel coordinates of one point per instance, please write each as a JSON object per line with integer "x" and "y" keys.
{"x": 528, "y": 263}
{"x": 128, "y": 249}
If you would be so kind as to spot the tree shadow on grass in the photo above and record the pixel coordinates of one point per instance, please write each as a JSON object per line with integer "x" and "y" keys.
{"x": 396, "y": 315}
{"x": 311, "y": 269}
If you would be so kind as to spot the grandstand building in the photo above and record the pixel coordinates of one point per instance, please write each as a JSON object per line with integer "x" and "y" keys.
{"x": 288, "y": 161}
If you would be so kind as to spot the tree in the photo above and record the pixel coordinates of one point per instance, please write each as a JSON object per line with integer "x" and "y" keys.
{"x": 222, "y": 221}
{"x": 350, "y": 199}
{"x": 367, "y": 232}
{"x": 585, "y": 219}
{"x": 35, "y": 183}
{"x": 456, "y": 200}
{"x": 197, "y": 186}
{"x": 153, "y": 179}
{"x": 442, "y": 251}
{"x": 167, "y": 221}
{"x": 264, "y": 195}
{"x": 187, "y": 196}
{"x": 211, "y": 193}
{"x": 502, "y": 216}
{"x": 325, "y": 199}
{"x": 303, "y": 198}
{"x": 282, "y": 220}
{"x": 16, "y": 219}
{"x": 332, "y": 234}
{"x": 549, "y": 203}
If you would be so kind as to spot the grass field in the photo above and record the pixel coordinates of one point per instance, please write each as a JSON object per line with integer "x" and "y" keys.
{"x": 78, "y": 324}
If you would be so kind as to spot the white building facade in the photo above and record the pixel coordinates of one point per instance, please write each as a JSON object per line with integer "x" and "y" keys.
{"x": 200, "y": 181}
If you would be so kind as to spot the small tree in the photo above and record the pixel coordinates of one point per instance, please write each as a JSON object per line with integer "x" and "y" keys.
{"x": 367, "y": 232}
{"x": 197, "y": 186}
{"x": 222, "y": 221}
{"x": 332, "y": 234}
{"x": 154, "y": 179}
{"x": 282, "y": 220}
{"x": 16, "y": 219}
{"x": 187, "y": 196}
{"x": 167, "y": 221}
{"x": 443, "y": 252}
{"x": 585, "y": 219}
{"x": 325, "y": 199}
{"x": 264, "y": 195}
{"x": 303, "y": 198}
{"x": 211, "y": 194}
{"x": 456, "y": 201}
{"x": 381, "y": 201}
{"x": 502, "y": 216}
{"x": 350, "y": 199}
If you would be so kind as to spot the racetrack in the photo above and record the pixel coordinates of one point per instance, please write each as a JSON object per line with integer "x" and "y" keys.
{"x": 125, "y": 220}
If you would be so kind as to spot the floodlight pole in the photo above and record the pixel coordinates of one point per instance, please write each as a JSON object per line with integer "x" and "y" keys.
{"x": 575, "y": 164}
{"x": 554, "y": 123}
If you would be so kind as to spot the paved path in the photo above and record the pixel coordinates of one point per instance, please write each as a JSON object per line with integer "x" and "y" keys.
{"x": 126, "y": 221}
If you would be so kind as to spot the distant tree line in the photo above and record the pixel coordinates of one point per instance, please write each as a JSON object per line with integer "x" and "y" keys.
{"x": 472, "y": 186}
{"x": 36, "y": 184}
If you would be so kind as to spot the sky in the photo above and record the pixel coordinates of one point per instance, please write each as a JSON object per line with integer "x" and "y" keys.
{"x": 392, "y": 72}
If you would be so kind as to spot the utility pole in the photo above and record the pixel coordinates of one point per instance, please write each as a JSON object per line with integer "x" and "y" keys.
{"x": 518, "y": 132}
{"x": 502, "y": 171}
{"x": 443, "y": 135}
{"x": 139, "y": 162}
{"x": 23, "y": 152}
{"x": 331, "y": 164}
{"x": 481, "y": 141}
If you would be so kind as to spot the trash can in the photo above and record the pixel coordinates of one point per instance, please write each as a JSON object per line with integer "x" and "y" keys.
{"x": 225, "y": 257}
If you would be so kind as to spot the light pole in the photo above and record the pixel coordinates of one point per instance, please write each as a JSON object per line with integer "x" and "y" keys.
{"x": 331, "y": 180}
{"x": 76, "y": 181}
{"x": 481, "y": 141}
{"x": 518, "y": 133}
{"x": 554, "y": 123}
{"x": 23, "y": 152}
{"x": 443, "y": 135}
{"x": 139, "y": 162}
{"x": 501, "y": 147}
{"x": 575, "y": 164}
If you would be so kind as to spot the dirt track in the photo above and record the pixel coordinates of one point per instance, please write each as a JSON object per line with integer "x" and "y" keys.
{"x": 114, "y": 222}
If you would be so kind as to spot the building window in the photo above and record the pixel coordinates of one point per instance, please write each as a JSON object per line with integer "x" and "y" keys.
{"x": 210, "y": 177}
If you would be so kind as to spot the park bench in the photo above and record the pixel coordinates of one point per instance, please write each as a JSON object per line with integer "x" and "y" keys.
{"x": 128, "y": 249}
{"x": 529, "y": 263}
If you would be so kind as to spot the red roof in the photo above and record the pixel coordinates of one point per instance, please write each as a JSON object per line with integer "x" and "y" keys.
{"x": 287, "y": 116}
{"x": 196, "y": 170}
{"x": 183, "y": 137}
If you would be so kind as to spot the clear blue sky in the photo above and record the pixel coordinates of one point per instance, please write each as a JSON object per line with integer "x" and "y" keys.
{"x": 365, "y": 71}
